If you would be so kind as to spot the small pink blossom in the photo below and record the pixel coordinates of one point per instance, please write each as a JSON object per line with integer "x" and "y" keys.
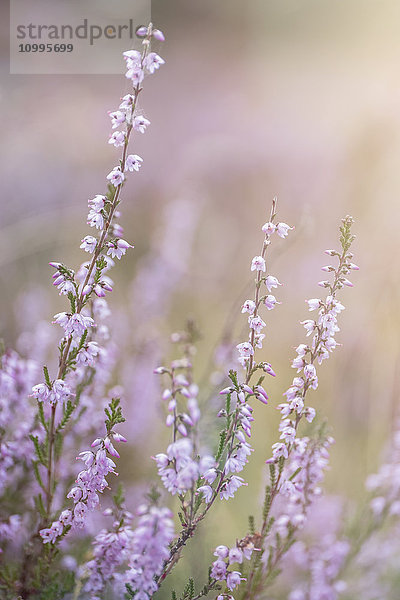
{"x": 258, "y": 264}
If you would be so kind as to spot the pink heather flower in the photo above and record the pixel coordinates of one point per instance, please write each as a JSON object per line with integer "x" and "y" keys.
{"x": 268, "y": 369}
{"x": 261, "y": 394}
{"x": 133, "y": 162}
{"x": 309, "y": 325}
{"x": 97, "y": 203}
{"x": 309, "y": 371}
{"x": 59, "y": 392}
{"x": 153, "y": 61}
{"x": 117, "y": 138}
{"x": 314, "y": 303}
{"x": 347, "y": 282}
{"x": 118, "y": 248}
{"x": 233, "y": 579}
{"x": 132, "y": 56}
{"x": 283, "y": 229}
{"x": 66, "y": 517}
{"x": 127, "y": 102}
{"x": 140, "y": 123}
{"x": 135, "y": 74}
{"x": 210, "y": 475}
{"x": 256, "y": 323}
{"x": 51, "y": 534}
{"x": 229, "y": 488}
{"x": 40, "y": 392}
{"x": 95, "y": 219}
{"x": 110, "y": 447}
{"x": 271, "y": 282}
{"x": 88, "y": 243}
{"x": 235, "y": 556}
{"x": 270, "y": 301}
{"x": 117, "y": 118}
{"x": 302, "y": 349}
{"x": 288, "y": 434}
{"x": 207, "y": 492}
{"x": 268, "y": 228}
{"x": 221, "y": 552}
{"x": 116, "y": 177}
{"x": 218, "y": 570}
{"x": 279, "y": 449}
{"x": 249, "y": 306}
{"x": 87, "y": 354}
{"x": 258, "y": 264}
{"x": 141, "y": 31}
{"x": 245, "y": 349}
{"x": 158, "y": 35}
{"x": 309, "y": 414}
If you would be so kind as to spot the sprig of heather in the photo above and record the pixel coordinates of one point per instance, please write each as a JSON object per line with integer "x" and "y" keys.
{"x": 91, "y": 481}
{"x": 150, "y": 549}
{"x": 111, "y": 549}
{"x": 217, "y": 477}
{"x": 285, "y": 468}
{"x": 355, "y": 550}
{"x": 76, "y": 346}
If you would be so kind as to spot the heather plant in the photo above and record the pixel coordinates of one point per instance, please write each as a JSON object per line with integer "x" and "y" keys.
{"x": 51, "y": 544}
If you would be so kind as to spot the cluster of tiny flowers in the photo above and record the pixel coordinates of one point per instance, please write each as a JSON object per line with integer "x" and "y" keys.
{"x": 182, "y": 465}
{"x": 111, "y": 550}
{"x": 16, "y": 378}
{"x": 239, "y": 449}
{"x": 89, "y": 483}
{"x": 179, "y": 469}
{"x": 137, "y": 65}
{"x": 226, "y": 557}
{"x": 300, "y": 481}
{"x": 322, "y": 563}
{"x": 58, "y": 391}
{"x": 323, "y": 329}
{"x": 149, "y": 550}
{"x": 256, "y": 324}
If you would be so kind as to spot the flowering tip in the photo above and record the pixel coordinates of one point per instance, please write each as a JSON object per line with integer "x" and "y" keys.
{"x": 226, "y": 391}
{"x": 160, "y": 370}
{"x": 141, "y": 31}
{"x": 96, "y": 442}
{"x": 119, "y": 438}
{"x": 261, "y": 392}
{"x": 55, "y": 264}
{"x": 247, "y": 389}
{"x": 158, "y": 35}
{"x": 262, "y": 398}
{"x": 348, "y": 283}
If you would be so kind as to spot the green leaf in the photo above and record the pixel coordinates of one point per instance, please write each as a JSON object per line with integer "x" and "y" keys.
{"x": 47, "y": 376}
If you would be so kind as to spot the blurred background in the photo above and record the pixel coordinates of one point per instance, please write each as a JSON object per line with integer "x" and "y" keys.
{"x": 294, "y": 99}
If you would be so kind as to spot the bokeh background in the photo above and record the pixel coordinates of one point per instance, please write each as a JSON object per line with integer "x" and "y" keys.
{"x": 295, "y": 99}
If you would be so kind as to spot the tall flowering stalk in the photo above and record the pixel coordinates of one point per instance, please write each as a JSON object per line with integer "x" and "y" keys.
{"x": 351, "y": 562}
{"x": 210, "y": 478}
{"x": 287, "y": 465}
{"x": 58, "y": 398}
